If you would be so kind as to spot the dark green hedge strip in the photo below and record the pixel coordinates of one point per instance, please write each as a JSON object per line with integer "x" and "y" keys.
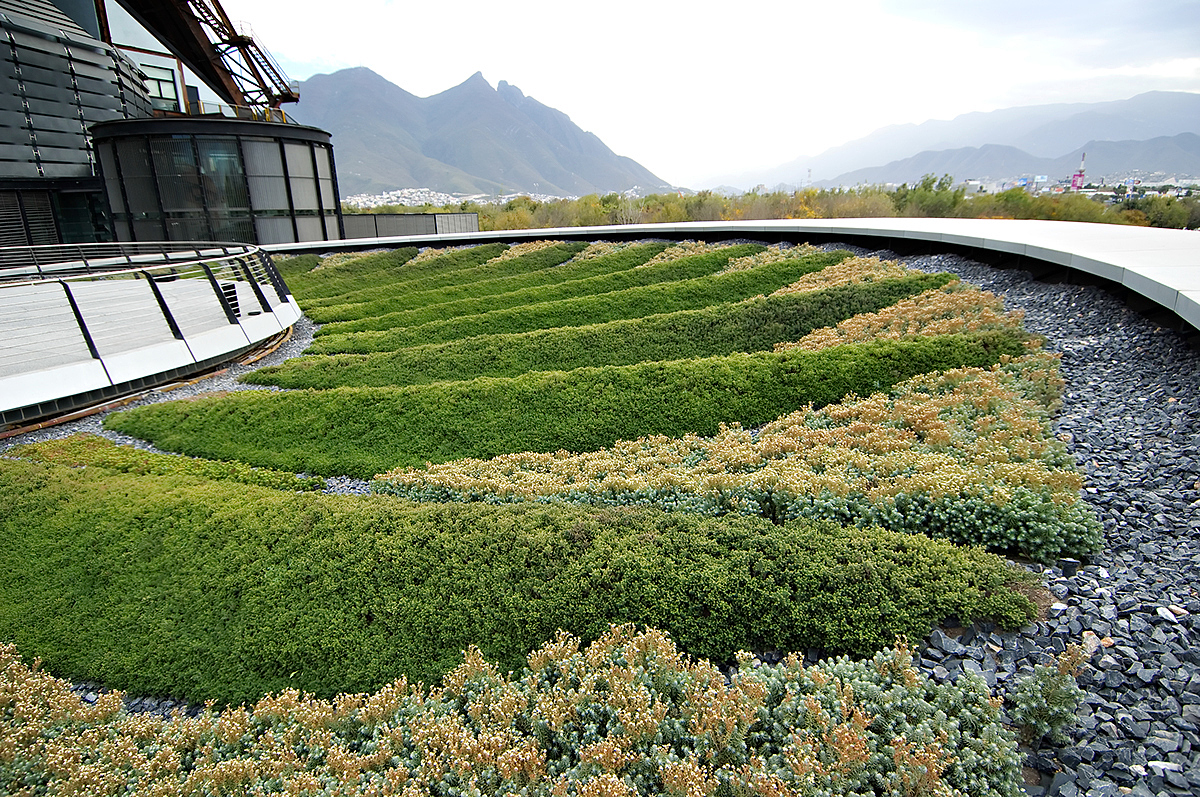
{"x": 694, "y": 267}
{"x": 751, "y": 325}
{"x": 390, "y": 271}
{"x": 610, "y": 279}
{"x": 226, "y": 592}
{"x": 481, "y": 281}
{"x": 292, "y": 268}
{"x": 327, "y": 280}
{"x": 689, "y": 294}
{"x": 364, "y": 431}
{"x": 452, "y": 271}
{"x": 542, "y": 269}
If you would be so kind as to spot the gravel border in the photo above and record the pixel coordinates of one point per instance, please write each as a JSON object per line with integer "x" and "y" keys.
{"x": 1131, "y": 417}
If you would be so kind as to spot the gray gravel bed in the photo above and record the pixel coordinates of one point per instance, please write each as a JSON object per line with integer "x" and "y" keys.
{"x": 1131, "y": 417}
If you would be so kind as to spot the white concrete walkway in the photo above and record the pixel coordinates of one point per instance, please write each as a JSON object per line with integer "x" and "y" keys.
{"x": 138, "y": 332}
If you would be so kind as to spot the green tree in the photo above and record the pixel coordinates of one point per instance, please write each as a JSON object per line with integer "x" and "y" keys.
{"x": 1164, "y": 211}
{"x": 931, "y": 197}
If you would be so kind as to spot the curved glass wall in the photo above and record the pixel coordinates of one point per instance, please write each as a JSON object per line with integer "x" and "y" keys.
{"x": 218, "y": 179}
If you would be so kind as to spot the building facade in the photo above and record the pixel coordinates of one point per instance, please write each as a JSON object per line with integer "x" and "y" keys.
{"x": 102, "y": 142}
{"x": 56, "y": 80}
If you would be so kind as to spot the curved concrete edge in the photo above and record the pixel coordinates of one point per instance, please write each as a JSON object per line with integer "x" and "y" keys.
{"x": 1160, "y": 264}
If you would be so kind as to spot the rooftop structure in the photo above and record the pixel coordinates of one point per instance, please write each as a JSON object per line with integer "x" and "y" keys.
{"x": 67, "y": 65}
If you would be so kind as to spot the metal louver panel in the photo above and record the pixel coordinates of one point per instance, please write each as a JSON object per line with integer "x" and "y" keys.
{"x": 40, "y": 215}
{"x": 43, "y": 11}
{"x": 12, "y": 228}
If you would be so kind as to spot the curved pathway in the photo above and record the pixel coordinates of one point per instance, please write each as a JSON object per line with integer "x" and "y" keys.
{"x": 82, "y": 324}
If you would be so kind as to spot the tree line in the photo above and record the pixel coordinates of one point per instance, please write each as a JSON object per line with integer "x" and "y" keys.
{"x": 928, "y": 198}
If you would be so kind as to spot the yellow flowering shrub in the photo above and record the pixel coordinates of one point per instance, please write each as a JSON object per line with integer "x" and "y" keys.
{"x": 681, "y": 249}
{"x": 627, "y": 715}
{"x": 430, "y": 252}
{"x": 962, "y": 454}
{"x": 772, "y": 254}
{"x": 952, "y": 309}
{"x": 851, "y": 271}
{"x": 600, "y": 249}
{"x": 518, "y": 250}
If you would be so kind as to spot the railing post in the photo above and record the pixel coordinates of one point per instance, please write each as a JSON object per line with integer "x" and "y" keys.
{"x": 254, "y": 286}
{"x": 274, "y": 275}
{"x": 83, "y": 328}
{"x": 225, "y": 305}
{"x": 162, "y": 305}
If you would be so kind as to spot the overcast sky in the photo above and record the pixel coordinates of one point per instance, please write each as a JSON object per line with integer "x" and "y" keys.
{"x": 698, "y": 90}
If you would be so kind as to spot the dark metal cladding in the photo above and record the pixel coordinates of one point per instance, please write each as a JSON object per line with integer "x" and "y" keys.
{"x": 56, "y": 79}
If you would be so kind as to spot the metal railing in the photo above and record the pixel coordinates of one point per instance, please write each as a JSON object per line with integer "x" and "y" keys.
{"x": 24, "y": 263}
{"x": 253, "y": 113}
{"x": 97, "y": 318}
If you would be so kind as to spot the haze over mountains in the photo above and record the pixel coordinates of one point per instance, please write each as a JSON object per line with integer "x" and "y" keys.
{"x": 1177, "y": 156}
{"x": 1042, "y": 139}
{"x": 470, "y": 139}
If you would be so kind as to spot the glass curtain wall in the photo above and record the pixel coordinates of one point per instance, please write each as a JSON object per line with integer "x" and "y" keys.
{"x": 190, "y": 187}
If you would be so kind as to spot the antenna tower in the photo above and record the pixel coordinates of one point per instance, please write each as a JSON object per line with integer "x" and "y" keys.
{"x": 1078, "y": 179}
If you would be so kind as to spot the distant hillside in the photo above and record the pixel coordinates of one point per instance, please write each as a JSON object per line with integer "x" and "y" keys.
{"x": 1178, "y": 154}
{"x": 1040, "y": 131}
{"x": 468, "y": 139}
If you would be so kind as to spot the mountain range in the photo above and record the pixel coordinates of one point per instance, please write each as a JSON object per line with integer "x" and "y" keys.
{"x": 473, "y": 139}
{"x": 470, "y": 139}
{"x": 1171, "y": 155}
{"x": 1033, "y": 139}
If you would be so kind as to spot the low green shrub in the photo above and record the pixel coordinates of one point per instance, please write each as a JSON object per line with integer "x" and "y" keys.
{"x": 481, "y": 281}
{"x": 622, "y": 275}
{"x": 292, "y": 267}
{"x": 94, "y": 451}
{"x": 448, "y": 269}
{"x": 752, "y": 325}
{"x": 667, "y": 297}
{"x": 166, "y": 585}
{"x": 1043, "y": 703}
{"x": 309, "y": 275}
{"x": 347, "y": 273}
{"x": 964, "y": 455}
{"x": 628, "y": 716}
{"x": 541, "y": 270}
{"x": 363, "y": 431}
